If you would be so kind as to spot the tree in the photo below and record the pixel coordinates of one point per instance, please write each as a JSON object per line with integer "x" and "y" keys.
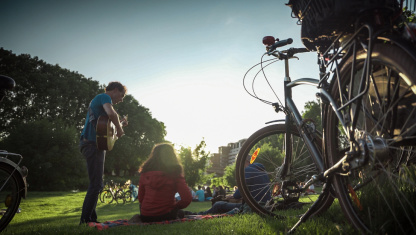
{"x": 194, "y": 163}
{"x": 49, "y": 94}
{"x": 50, "y": 151}
{"x": 43, "y": 91}
{"x": 313, "y": 112}
{"x": 142, "y": 133}
{"x": 229, "y": 176}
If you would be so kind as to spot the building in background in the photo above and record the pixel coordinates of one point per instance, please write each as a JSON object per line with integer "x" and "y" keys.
{"x": 226, "y": 155}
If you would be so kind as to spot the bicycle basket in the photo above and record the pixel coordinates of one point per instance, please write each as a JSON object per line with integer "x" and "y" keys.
{"x": 323, "y": 20}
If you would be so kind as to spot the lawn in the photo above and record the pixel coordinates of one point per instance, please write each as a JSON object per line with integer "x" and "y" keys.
{"x": 59, "y": 212}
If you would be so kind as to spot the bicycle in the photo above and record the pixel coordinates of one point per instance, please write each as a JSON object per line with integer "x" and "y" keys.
{"x": 13, "y": 186}
{"x": 100, "y": 196}
{"x": 365, "y": 156}
{"x": 127, "y": 193}
{"x": 112, "y": 193}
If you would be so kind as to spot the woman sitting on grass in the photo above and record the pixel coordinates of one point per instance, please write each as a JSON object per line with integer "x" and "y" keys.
{"x": 161, "y": 177}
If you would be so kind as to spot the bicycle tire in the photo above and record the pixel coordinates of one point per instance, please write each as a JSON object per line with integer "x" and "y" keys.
{"x": 127, "y": 196}
{"x": 270, "y": 140}
{"x": 11, "y": 193}
{"x": 107, "y": 196}
{"x": 119, "y": 195}
{"x": 100, "y": 196}
{"x": 378, "y": 197}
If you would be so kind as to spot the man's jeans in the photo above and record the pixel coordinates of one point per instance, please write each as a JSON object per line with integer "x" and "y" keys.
{"x": 221, "y": 207}
{"x": 95, "y": 165}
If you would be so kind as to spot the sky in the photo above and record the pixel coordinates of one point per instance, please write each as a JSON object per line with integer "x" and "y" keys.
{"x": 182, "y": 59}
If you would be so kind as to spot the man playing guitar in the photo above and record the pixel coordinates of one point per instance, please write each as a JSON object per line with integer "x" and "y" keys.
{"x": 102, "y": 104}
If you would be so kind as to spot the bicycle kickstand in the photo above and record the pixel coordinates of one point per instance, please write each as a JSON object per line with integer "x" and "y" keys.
{"x": 325, "y": 192}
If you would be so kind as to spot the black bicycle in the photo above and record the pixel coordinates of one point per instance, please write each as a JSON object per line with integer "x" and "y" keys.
{"x": 13, "y": 186}
{"x": 112, "y": 193}
{"x": 366, "y": 153}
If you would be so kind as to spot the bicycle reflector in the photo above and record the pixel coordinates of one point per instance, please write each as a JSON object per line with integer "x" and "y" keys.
{"x": 254, "y": 156}
{"x": 269, "y": 40}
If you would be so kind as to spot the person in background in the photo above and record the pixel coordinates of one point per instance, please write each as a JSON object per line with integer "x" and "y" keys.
{"x": 161, "y": 177}
{"x": 208, "y": 194}
{"x": 221, "y": 191}
{"x": 257, "y": 179}
{"x": 214, "y": 191}
{"x": 194, "y": 197}
{"x": 200, "y": 194}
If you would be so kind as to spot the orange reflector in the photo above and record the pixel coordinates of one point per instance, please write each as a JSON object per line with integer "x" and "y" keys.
{"x": 254, "y": 156}
{"x": 354, "y": 197}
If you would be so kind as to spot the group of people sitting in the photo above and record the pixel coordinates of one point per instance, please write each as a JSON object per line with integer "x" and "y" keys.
{"x": 205, "y": 194}
{"x": 162, "y": 177}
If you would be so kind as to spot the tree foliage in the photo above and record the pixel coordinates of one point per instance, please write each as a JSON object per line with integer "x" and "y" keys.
{"x": 50, "y": 152}
{"x": 43, "y": 91}
{"x": 142, "y": 133}
{"x": 229, "y": 176}
{"x": 313, "y": 112}
{"x": 194, "y": 163}
{"x": 48, "y": 94}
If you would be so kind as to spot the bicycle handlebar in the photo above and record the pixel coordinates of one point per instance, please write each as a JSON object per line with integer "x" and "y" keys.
{"x": 287, "y": 54}
{"x": 280, "y": 44}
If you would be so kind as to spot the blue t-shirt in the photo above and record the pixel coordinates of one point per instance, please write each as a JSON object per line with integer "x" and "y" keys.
{"x": 201, "y": 195}
{"x": 258, "y": 181}
{"x": 95, "y": 110}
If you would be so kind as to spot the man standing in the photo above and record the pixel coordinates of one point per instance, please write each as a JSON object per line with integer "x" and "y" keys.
{"x": 102, "y": 104}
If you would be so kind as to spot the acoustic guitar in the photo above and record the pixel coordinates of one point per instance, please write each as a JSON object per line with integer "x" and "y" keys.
{"x": 106, "y": 133}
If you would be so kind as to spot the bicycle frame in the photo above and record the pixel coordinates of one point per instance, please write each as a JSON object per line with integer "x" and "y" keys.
{"x": 293, "y": 116}
{"x": 299, "y": 123}
{"x": 22, "y": 172}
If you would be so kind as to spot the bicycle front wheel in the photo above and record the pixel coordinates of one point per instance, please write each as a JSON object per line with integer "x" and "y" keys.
{"x": 260, "y": 183}
{"x": 378, "y": 193}
{"x": 107, "y": 197}
{"x": 10, "y": 195}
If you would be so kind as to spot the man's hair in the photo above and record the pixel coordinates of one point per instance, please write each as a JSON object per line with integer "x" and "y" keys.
{"x": 116, "y": 85}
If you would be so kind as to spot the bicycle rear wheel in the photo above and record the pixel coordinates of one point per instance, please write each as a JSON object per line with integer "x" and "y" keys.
{"x": 379, "y": 195}
{"x": 274, "y": 196}
{"x": 107, "y": 197}
{"x": 10, "y": 195}
{"x": 127, "y": 196}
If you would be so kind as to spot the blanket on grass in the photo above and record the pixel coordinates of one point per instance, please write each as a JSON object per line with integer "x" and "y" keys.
{"x": 125, "y": 222}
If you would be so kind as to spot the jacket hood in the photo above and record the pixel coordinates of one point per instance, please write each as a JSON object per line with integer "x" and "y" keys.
{"x": 156, "y": 179}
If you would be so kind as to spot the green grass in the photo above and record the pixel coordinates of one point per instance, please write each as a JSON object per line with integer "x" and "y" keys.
{"x": 59, "y": 212}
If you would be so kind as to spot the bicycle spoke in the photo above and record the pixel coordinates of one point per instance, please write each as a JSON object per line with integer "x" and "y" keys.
{"x": 379, "y": 195}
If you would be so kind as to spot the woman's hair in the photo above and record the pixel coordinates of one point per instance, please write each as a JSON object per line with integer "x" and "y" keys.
{"x": 163, "y": 158}
{"x": 208, "y": 190}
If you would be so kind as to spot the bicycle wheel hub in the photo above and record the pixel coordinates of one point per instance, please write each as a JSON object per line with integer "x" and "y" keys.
{"x": 371, "y": 149}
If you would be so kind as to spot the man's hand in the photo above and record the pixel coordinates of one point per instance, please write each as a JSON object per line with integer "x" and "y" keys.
{"x": 120, "y": 132}
{"x": 112, "y": 114}
{"x": 124, "y": 121}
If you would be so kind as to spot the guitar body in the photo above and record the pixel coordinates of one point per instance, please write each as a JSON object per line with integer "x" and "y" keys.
{"x": 106, "y": 133}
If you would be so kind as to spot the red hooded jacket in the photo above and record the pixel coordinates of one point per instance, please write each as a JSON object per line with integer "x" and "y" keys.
{"x": 157, "y": 193}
